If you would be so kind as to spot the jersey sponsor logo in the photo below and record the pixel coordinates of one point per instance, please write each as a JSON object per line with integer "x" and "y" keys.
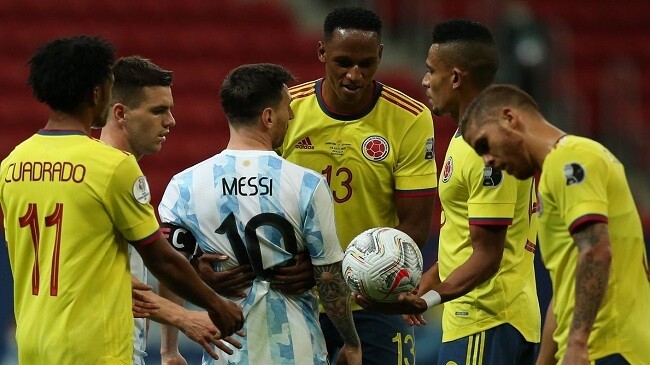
{"x": 448, "y": 169}
{"x": 141, "y": 190}
{"x": 492, "y": 177}
{"x": 305, "y": 144}
{"x": 428, "y": 148}
{"x": 375, "y": 148}
{"x": 574, "y": 173}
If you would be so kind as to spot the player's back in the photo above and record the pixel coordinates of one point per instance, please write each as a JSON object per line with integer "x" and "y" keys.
{"x": 260, "y": 209}
{"x": 71, "y": 278}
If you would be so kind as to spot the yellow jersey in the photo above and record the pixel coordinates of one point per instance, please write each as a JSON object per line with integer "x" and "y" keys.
{"x": 70, "y": 203}
{"x": 473, "y": 194}
{"x": 369, "y": 158}
{"x": 583, "y": 182}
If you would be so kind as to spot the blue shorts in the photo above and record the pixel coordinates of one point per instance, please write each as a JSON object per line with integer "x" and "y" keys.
{"x": 615, "y": 359}
{"x": 385, "y": 339}
{"x": 501, "y": 345}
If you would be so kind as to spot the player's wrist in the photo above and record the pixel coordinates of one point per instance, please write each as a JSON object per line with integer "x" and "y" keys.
{"x": 432, "y": 298}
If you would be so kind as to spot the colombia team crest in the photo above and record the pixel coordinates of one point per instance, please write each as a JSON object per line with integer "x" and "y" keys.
{"x": 375, "y": 148}
{"x": 447, "y": 169}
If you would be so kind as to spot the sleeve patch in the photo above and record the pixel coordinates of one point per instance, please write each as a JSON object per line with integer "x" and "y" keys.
{"x": 574, "y": 173}
{"x": 492, "y": 177}
{"x": 141, "y": 191}
{"x": 428, "y": 148}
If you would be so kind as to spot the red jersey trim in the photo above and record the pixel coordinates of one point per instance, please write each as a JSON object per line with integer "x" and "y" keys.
{"x": 490, "y": 221}
{"x": 599, "y": 218}
{"x": 147, "y": 240}
{"x": 302, "y": 90}
{"x": 416, "y": 193}
{"x": 530, "y": 246}
{"x": 409, "y": 103}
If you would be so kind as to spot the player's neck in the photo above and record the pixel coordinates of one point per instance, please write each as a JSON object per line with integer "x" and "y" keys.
{"x": 543, "y": 139}
{"x": 335, "y": 105}
{"x": 248, "y": 140}
{"x": 466, "y": 98}
{"x": 65, "y": 121}
{"x": 115, "y": 138}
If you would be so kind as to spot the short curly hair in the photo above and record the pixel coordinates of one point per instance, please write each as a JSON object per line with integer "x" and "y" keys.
{"x": 64, "y": 71}
{"x": 351, "y": 18}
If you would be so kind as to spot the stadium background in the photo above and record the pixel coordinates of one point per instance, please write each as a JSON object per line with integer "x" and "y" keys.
{"x": 587, "y": 63}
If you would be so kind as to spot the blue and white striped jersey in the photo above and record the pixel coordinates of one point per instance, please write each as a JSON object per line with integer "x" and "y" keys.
{"x": 260, "y": 209}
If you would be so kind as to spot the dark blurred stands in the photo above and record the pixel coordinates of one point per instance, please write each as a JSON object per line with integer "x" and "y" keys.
{"x": 199, "y": 40}
{"x": 595, "y": 82}
{"x": 593, "y": 77}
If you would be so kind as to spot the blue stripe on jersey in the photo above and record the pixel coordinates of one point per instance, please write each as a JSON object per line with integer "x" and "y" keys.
{"x": 182, "y": 207}
{"x": 309, "y": 306}
{"x": 271, "y": 167}
{"x": 311, "y": 226}
{"x": 226, "y": 203}
{"x": 279, "y": 330}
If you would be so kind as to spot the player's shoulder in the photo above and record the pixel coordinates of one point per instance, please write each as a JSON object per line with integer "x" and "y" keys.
{"x": 298, "y": 170}
{"x": 303, "y": 90}
{"x": 106, "y": 149}
{"x": 572, "y": 147}
{"x": 402, "y": 101}
{"x": 208, "y": 163}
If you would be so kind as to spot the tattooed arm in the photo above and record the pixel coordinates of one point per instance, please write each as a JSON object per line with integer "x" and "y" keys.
{"x": 591, "y": 277}
{"x": 334, "y": 295}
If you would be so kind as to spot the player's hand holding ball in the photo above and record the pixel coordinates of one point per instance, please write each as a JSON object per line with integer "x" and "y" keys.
{"x": 382, "y": 267}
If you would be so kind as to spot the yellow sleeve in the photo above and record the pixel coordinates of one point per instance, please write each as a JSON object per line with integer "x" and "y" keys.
{"x": 416, "y": 166}
{"x": 578, "y": 182}
{"x": 492, "y": 193}
{"x": 127, "y": 200}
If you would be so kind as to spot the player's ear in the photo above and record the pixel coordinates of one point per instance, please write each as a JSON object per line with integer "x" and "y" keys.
{"x": 321, "y": 51}
{"x": 97, "y": 95}
{"x": 380, "y": 52}
{"x": 267, "y": 117}
{"x": 511, "y": 116}
{"x": 456, "y": 78}
{"x": 119, "y": 113}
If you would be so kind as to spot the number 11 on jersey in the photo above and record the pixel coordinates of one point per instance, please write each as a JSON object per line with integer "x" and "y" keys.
{"x": 30, "y": 219}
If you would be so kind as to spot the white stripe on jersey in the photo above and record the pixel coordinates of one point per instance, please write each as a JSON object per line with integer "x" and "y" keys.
{"x": 140, "y": 324}
{"x": 260, "y": 205}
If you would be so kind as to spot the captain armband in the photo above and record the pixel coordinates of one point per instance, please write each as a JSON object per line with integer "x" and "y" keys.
{"x": 180, "y": 238}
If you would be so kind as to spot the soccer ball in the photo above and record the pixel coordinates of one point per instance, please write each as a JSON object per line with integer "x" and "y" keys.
{"x": 381, "y": 263}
